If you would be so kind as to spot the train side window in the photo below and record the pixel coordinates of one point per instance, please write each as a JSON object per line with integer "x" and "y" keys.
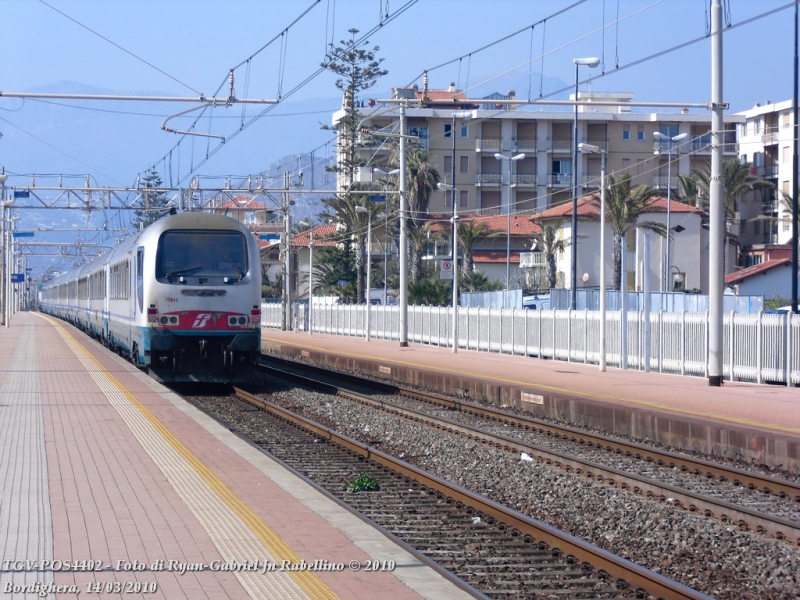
{"x": 140, "y": 278}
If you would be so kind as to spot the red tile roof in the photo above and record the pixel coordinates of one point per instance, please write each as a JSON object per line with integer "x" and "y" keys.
{"x": 587, "y": 209}
{"x": 450, "y": 95}
{"x": 756, "y": 269}
{"x": 520, "y": 224}
{"x": 324, "y": 235}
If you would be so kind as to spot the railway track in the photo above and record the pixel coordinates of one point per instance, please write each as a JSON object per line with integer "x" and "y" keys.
{"x": 500, "y": 552}
{"x": 745, "y": 499}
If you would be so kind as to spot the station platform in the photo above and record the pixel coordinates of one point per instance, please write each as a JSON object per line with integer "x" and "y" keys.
{"x": 111, "y": 486}
{"x": 756, "y": 423}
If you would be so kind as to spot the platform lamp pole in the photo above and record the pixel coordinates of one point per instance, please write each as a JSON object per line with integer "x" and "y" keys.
{"x": 592, "y": 149}
{"x": 5, "y": 204}
{"x": 9, "y": 307}
{"x": 368, "y": 212}
{"x": 454, "y": 220}
{"x": 590, "y": 62}
{"x": 511, "y": 161}
{"x": 310, "y": 273}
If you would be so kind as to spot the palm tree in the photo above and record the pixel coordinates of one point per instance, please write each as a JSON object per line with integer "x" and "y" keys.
{"x": 477, "y": 282}
{"x": 788, "y": 203}
{"x": 551, "y": 245}
{"x": 737, "y": 179}
{"x": 624, "y": 205}
{"x": 470, "y": 232}
{"x": 689, "y": 191}
{"x": 419, "y": 238}
{"x": 421, "y": 180}
{"x": 343, "y": 210}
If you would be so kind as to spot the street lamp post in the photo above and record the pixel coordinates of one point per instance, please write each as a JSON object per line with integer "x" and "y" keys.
{"x": 592, "y": 149}
{"x": 454, "y": 220}
{"x": 364, "y": 209}
{"x": 5, "y": 205}
{"x": 670, "y": 142}
{"x": 459, "y": 114}
{"x": 590, "y": 62}
{"x": 311, "y": 281}
{"x": 511, "y": 161}
{"x": 9, "y": 224}
{"x": 310, "y": 274}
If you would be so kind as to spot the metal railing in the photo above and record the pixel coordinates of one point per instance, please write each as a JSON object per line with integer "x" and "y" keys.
{"x": 759, "y": 347}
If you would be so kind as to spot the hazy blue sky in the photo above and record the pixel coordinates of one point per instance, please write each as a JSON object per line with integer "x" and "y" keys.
{"x": 196, "y": 42}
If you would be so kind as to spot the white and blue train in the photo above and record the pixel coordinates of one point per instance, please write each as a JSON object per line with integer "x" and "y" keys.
{"x": 180, "y": 299}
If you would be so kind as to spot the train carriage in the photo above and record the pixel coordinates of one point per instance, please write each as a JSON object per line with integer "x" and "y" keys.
{"x": 181, "y": 299}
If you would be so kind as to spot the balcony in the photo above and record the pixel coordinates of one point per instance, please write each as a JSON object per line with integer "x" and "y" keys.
{"x": 484, "y": 179}
{"x": 525, "y": 180}
{"x": 487, "y": 144}
{"x": 560, "y": 180}
{"x": 561, "y": 145}
{"x": 770, "y": 172}
{"x": 770, "y": 136}
{"x": 532, "y": 259}
{"x": 526, "y": 145}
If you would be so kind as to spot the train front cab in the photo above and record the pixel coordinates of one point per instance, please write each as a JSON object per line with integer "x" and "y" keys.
{"x": 197, "y": 306}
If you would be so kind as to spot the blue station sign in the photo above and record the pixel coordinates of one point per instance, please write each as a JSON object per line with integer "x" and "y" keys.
{"x": 17, "y": 277}
{"x": 18, "y": 234}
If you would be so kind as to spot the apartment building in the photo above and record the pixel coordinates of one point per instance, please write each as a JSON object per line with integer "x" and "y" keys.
{"x": 463, "y": 147}
{"x": 766, "y": 141}
{"x": 464, "y": 136}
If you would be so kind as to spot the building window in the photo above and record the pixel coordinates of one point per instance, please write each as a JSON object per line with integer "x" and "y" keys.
{"x": 464, "y": 130}
{"x": 463, "y": 198}
{"x": 562, "y": 167}
{"x": 757, "y": 126}
{"x": 463, "y": 164}
{"x": 669, "y": 130}
{"x": 758, "y": 160}
{"x": 787, "y": 154}
{"x": 448, "y": 130}
{"x": 626, "y": 134}
{"x": 640, "y": 133}
{"x": 640, "y": 164}
{"x": 626, "y": 165}
{"x": 448, "y": 164}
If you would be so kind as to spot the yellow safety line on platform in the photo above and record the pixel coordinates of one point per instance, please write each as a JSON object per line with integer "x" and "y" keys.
{"x": 273, "y": 542}
{"x": 552, "y": 388}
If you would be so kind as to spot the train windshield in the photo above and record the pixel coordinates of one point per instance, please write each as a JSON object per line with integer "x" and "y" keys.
{"x": 199, "y": 255}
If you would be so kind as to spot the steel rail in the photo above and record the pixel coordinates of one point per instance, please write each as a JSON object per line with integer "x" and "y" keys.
{"x": 601, "y": 560}
{"x": 724, "y": 511}
{"x": 739, "y": 477}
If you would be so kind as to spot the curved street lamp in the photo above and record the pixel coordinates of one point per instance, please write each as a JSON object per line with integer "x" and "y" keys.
{"x": 590, "y": 62}
{"x": 454, "y": 220}
{"x": 670, "y": 141}
{"x": 592, "y": 149}
{"x": 511, "y": 161}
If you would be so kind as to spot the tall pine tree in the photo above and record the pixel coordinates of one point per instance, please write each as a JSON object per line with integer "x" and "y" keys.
{"x": 358, "y": 70}
{"x": 152, "y": 205}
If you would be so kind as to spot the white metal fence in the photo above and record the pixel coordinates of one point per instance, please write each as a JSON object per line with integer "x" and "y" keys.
{"x": 758, "y": 347}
